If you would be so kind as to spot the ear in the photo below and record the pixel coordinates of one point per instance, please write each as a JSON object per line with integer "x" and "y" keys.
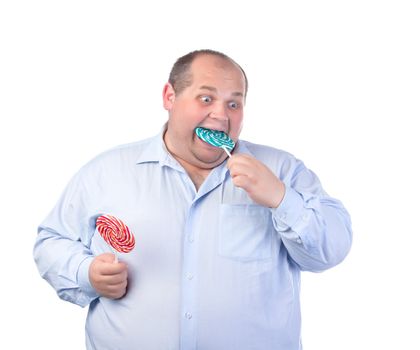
{"x": 168, "y": 96}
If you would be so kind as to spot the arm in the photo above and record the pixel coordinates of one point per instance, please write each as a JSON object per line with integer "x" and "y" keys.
{"x": 314, "y": 227}
{"x": 62, "y": 250}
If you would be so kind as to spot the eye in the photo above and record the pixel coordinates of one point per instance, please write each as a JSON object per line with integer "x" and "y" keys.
{"x": 205, "y": 99}
{"x": 233, "y": 105}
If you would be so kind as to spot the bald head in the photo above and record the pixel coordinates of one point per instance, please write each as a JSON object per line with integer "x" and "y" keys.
{"x": 181, "y": 76}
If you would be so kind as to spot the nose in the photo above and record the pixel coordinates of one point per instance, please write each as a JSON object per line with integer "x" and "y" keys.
{"x": 219, "y": 112}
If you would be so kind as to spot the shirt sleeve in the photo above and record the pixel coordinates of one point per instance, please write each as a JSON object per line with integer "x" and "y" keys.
{"x": 315, "y": 228}
{"x": 61, "y": 249}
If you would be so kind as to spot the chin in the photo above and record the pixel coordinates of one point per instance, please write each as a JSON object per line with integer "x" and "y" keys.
{"x": 209, "y": 158}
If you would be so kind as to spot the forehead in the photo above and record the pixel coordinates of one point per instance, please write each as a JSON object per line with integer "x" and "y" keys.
{"x": 217, "y": 72}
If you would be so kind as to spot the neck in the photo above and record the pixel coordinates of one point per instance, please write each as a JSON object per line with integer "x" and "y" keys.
{"x": 196, "y": 174}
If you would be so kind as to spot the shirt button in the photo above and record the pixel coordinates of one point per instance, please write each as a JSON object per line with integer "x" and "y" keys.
{"x": 299, "y": 240}
{"x": 188, "y": 315}
{"x": 190, "y": 276}
{"x": 191, "y": 239}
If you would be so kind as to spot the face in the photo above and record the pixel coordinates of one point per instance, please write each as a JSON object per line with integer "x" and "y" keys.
{"x": 214, "y": 100}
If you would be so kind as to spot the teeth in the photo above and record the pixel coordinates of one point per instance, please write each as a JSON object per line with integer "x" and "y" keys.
{"x": 219, "y": 130}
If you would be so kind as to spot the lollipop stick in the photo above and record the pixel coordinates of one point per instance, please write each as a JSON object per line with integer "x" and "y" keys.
{"x": 227, "y": 152}
{"x": 115, "y": 256}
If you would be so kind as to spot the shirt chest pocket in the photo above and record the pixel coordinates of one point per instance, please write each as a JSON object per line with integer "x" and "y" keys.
{"x": 245, "y": 232}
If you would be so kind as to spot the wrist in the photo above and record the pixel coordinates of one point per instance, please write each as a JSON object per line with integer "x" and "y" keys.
{"x": 278, "y": 195}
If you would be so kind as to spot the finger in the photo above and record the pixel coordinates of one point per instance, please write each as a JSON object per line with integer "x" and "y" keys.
{"x": 244, "y": 163}
{"x": 242, "y": 181}
{"x": 114, "y": 280}
{"x": 239, "y": 158}
{"x": 111, "y": 268}
{"x": 240, "y": 169}
{"x": 116, "y": 291}
{"x": 249, "y": 174}
{"x": 106, "y": 257}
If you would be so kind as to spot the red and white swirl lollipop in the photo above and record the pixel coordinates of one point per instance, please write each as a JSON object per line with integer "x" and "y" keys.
{"x": 115, "y": 233}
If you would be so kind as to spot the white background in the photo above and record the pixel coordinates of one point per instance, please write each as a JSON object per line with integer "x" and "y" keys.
{"x": 336, "y": 83}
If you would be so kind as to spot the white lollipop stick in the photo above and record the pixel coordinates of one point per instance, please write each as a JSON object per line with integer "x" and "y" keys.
{"x": 115, "y": 256}
{"x": 227, "y": 152}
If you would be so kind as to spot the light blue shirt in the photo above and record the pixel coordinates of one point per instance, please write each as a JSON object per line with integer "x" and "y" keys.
{"x": 211, "y": 269}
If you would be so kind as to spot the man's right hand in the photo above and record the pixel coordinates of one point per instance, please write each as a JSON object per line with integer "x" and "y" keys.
{"x": 109, "y": 278}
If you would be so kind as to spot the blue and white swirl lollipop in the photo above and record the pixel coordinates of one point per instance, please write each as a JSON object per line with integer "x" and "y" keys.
{"x": 216, "y": 138}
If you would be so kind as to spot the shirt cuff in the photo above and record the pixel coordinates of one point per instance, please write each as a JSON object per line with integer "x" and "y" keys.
{"x": 83, "y": 279}
{"x": 289, "y": 211}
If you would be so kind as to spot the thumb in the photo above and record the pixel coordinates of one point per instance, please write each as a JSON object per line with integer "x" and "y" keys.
{"x": 106, "y": 257}
{"x": 106, "y": 264}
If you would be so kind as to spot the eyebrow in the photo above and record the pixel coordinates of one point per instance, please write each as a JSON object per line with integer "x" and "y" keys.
{"x": 213, "y": 89}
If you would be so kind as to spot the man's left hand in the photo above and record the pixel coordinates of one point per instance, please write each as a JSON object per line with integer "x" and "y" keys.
{"x": 262, "y": 186}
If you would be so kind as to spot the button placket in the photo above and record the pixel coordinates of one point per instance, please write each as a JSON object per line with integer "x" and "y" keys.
{"x": 188, "y": 291}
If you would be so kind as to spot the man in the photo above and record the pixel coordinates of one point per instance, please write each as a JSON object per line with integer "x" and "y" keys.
{"x": 219, "y": 243}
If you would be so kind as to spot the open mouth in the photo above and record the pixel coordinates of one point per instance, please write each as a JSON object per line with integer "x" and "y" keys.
{"x": 221, "y": 130}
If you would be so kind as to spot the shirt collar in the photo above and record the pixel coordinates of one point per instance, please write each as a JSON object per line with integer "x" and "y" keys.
{"x": 155, "y": 151}
{"x": 242, "y": 148}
